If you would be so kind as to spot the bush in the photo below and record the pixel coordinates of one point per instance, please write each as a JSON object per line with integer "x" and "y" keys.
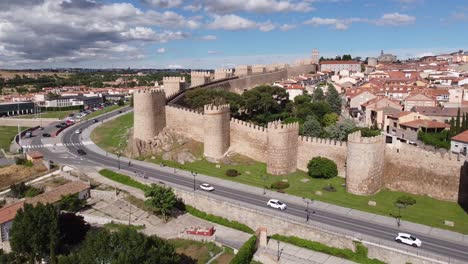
{"x": 279, "y": 185}
{"x": 360, "y": 256}
{"x": 18, "y": 190}
{"x": 218, "y": 220}
{"x": 246, "y": 252}
{"x": 320, "y": 167}
{"x": 23, "y": 162}
{"x": 329, "y": 188}
{"x": 124, "y": 179}
{"x": 369, "y": 132}
{"x": 406, "y": 200}
{"x": 232, "y": 173}
{"x": 438, "y": 140}
{"x": 31, "y": 192}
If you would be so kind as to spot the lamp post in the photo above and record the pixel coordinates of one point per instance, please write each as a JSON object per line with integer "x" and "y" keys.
{"x": 194, "y": 174}
{"x": 278, "y": 251}
{"x": 400, "y": 206}
{"x": 265, "y": 178}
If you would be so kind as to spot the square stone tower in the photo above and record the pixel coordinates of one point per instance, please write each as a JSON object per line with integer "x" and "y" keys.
{"x": 223, "y": 74}
{"x": 173, "y": 85}
{"x": 257, "y": 69}
{"x": 199, "y": 78}
{"x": 282, "y": 147}
{"x": 243, "y": 70}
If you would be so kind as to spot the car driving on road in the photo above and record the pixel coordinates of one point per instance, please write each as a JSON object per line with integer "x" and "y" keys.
{"x": 206, "y": 187}
{"x": 77, "y": 131}
{"x": 276, "y": 204}
{"x": 81, "y": 152}
{"x": 46, "y": 135}
{"x": 408, "y": 239}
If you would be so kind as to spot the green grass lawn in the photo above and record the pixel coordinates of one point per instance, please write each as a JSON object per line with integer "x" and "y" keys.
{"x": 7, "y": 133}
{"x": 113, "y": 135}
{"x": 427, "y": 211}
{"x": 102, "y": 111}
{"x": 198, "y": 251}
{"x": 51, "y": 114}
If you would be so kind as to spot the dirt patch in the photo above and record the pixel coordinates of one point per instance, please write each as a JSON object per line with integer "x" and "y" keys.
{"x": 225, "y": 258}
{"x": 18, "y": 173}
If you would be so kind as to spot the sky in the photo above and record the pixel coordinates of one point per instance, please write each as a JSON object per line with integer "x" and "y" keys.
{"x": 209, "y": 34}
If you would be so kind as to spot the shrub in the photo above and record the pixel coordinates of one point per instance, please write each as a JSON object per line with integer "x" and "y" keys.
{"x": 438, "y": 140}
{"x": 369, "y": 132}
{"x": 124, "y": 179}
{"x": 329, "y": 188}
{"x": 279, "y": 185}
{"x": 31, "y": 192}
{"x": 281, "y": 191}
{"x": 246, "y": 252}
{"x": 218, "y": 220}
{"x": 320, "y": 167}
{"x": 18, "y": 190}
{"x": 232, "y": 173}
{"x": 406, "y": 200}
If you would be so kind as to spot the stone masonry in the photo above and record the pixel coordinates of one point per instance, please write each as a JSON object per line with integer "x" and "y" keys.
{"x": 173, "y": 85}
{"x": 149, "y": 113}
{"x": 216, "y": 128}
{"x": 223, "y": 74}
{"x": 199, "y": 78}
{"x": 282, "y": 148}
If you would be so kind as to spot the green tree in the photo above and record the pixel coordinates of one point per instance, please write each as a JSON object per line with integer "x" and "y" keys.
{"x": 406, "y": 200}
{"x": 334, "y": 99}
{"x": 312, "y": 127}
{"x": 123, "y": 246}
{"x": 120, "y": 102}
{"x": 318, "y": 95}
{"x": 71, "y": 203}
{"x": 320, "y": 167}
{"x": 340, "y": 130}
{"x": 452, "y": 127}
{"x": 18, "y": 190}
{"x": 161, "y": 199}
{"x": 329, "y": 119}
{"x": 246, "y": 252}
{"x": 73, "y": 230}
{"x": 34, "y": 233}
{"x": 457, "y": 123}
{"x": 347, "y": 57}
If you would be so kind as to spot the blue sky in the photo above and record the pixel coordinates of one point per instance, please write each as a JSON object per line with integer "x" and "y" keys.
{"x": 221, "y": 33}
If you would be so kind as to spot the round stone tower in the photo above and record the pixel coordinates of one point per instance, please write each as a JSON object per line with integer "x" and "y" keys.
{"x": 365, "y": 164}
{"x": 149, "y": 110}
{"x": 216, "y": 131}
{"x": 282, "y": 147}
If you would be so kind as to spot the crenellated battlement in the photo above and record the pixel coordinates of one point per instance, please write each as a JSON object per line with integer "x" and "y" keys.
{"x": 200, "y": 74}
{"x": 249, "y": 125}
{"x": 173, "y": 79}
{"x": 150, "y": 91}
{"x": 211, "y": 108}
{"x": 357, "y": 138}
{"x": 421, "y": 153}
{"x": 278, "y": 125}
{"x": 189, "y": 110}
{"x": 323, "y": 141}
{"x": 223, "y": 70}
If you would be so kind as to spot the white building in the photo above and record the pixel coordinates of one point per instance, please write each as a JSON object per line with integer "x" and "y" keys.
{"x": 337, "y": 66}
{"x": 459, "y": 143}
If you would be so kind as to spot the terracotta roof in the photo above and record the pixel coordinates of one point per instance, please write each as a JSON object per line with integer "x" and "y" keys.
{"x": 425, "y": 123}
{"x": 56, "y": 194}
{"x": 462, "y": 137}
{"x": 340, "y": 62}
{"x": 400, "y": 114}
{"x": 35, "y": 155}
{"x": 438, "y": 111}
{"x": 8, "y": 213}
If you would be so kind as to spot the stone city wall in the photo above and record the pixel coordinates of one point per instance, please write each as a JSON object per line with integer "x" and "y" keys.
{"x": 414, "y": 170}
{"x": 249, "y": 82}
{"x": 26, "y": 122}
{"x": 249, "y": 140}
{"x": 185, "y": 121}
{"x": 300, "y": 70}
{"x": 309, "y": 147}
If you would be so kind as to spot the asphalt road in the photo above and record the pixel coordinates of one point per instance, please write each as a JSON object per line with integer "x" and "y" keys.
{"x": 429, "y": 243}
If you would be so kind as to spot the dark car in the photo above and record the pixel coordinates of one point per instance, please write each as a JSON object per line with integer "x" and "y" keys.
{"x": 95, "y": 120}
{"x": 81, "y": 152}
{"x": 58, "y": 126}
{"x": 120, "y": 111}
{"x": 46, "y": 135}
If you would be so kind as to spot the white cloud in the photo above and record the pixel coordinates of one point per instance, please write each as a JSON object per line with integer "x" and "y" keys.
{"x": 231, "y": 22}
{"x": 163, "y": 3}
{"x": 339, "y": 24}
{"x": 287, "y": 27}
{"x": 266, "y": 26}
{"x": 174, "y": 66}
{"x": 395, "y": 19}
{"x": 258, "y": 6}
{"x": 209, "y": 37}
{"x": 161, "y": 50}
{"x": 211, "y": 52}
{"x": 193, "y": 7}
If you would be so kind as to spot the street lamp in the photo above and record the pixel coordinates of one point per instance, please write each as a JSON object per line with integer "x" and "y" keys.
{"x": 265, "y": 178}
{"x": 307, "y": 201}
{"x": 400, "y": 206}
{"x": 194, "y": 174}
{"x": 278, "y": 251}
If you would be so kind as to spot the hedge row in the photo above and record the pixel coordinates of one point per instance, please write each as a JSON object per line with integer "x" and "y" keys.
{"x": 360, "y": 256}
{"x": 246, "y": 252}
{"x": 218, "y": 220}
{"x": 124, "y": 179}
{"x": 64, "y": 108}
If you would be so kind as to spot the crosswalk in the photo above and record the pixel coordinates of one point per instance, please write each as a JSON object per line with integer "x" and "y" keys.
{"x": 84, "y": 143}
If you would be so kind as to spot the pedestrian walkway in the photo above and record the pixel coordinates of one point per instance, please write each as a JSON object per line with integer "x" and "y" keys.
{"x": 290, "y": 254}
{"x": 317, "y": 205}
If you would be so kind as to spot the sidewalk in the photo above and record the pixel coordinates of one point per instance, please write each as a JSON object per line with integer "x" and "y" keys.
{"x": 352, "y": 213}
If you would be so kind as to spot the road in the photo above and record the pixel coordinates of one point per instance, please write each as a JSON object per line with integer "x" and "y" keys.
{"x": 432, "y": 244}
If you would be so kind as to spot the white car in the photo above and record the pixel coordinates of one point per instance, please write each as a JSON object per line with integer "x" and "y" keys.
{"x": 206, "y": 187}
{"x": 276, "y": 204}
{"x": 77, "y": 131}
{"x": 408, "y": 239}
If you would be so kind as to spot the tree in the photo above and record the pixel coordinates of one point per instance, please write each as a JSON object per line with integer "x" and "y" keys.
{"x": 347, "y": 57}
{"x": 312, "y": 127}
{"x": 34, "y": 233}
{"x": 452, "y": 127}
{"x": 161, "y": 199}
{"x": 406, "y": 200}
{"x": 123, "y": 246}
{"x": 18, "y": 190}
{"x": 73, "y": 230}
{"x": 340, "y": 130}
{"x": 457, "y": 123}
{"x": 334, "y": 99}
{"x": 120, "y": 102}
{"x": 320, "y": 167}
{"x": 329, "y": 119}
{"x": 71, "y": 203}
{"x": 318, "y": 95}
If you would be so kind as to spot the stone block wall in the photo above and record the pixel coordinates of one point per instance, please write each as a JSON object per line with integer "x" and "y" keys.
{"x": 309, "y": 147}
{"x": 216, "y": 131}
{"x": 248, "y": 139}
{"x": 282, "y": 148}
{"x": 243, "y": 70}
{"x": 365, "y": 164}
{"x": 223, "y": 74}
{"x": 149, "y": 113}
{"x": 173, "y": 85}
{"x": 185, "y": 121}
{"x": 199, "y": 78}
{"x": 414, "y": 170}
{"x": 300, "y": 70}
{"x": 248, "y": 82}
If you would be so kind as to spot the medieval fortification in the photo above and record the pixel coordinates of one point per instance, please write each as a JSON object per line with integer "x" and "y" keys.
{"x": 367, "y": 163}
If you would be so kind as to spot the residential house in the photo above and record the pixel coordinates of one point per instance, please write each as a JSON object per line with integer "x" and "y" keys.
{"x": 406, "y": 125}
{"x": 418, "y": 99}
{"x": 377, "y": 109}
{"x": 440, "y": 114}
{"x": 356, "y": 100}
{"x": 459, "y": 143}
{"x": 336, "y": 66}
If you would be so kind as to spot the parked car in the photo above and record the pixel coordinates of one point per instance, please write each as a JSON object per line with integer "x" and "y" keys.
{"x": 77, "y": 131}
{"x": 81, "y": 152}
{"x": 46, "y": 135}
{"x": 276, "y": 204}
{"x": 206, "y": 187}
{"x": 408, "y": 239}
